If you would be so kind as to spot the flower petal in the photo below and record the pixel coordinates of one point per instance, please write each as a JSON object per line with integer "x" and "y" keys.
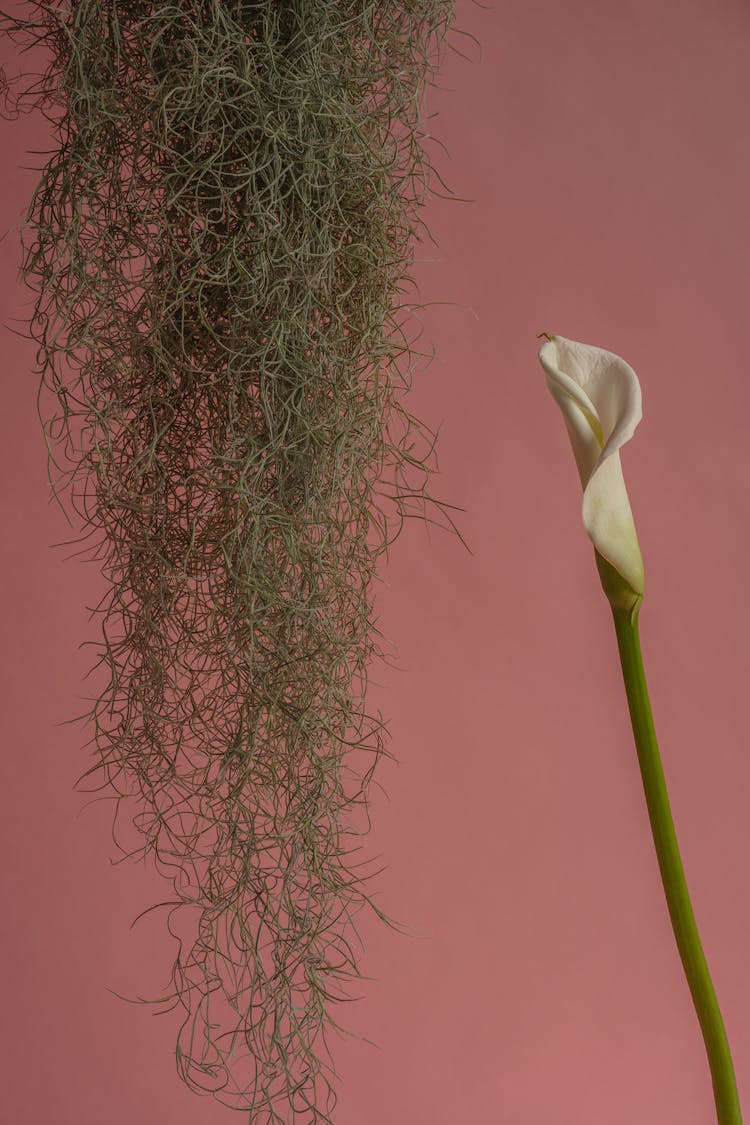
{"x": 608, "y": 519}
{"x": 600, "y": 397}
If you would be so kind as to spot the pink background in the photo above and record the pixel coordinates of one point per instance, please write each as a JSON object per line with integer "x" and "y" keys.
{"x": 606, "y": 152}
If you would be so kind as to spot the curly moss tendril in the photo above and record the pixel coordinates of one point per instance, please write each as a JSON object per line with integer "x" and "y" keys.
{"x": 220, "y": 246}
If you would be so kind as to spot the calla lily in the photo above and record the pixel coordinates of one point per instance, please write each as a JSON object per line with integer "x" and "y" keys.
{"x": 600, "y": 397}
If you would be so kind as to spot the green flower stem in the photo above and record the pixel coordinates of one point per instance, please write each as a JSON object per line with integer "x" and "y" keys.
{"x": 672, "y": 874}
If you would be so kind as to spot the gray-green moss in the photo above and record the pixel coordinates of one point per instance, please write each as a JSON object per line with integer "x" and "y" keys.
{"x": 221, "y": 242}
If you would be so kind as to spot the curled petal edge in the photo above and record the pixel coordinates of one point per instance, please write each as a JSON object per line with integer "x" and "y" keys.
{"x": 600, "y": 398}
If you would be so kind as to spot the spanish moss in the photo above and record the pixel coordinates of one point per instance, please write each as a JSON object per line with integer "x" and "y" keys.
{"x": 221, "y": 247}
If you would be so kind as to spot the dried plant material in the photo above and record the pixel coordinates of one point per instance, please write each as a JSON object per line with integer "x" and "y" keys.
{"x": 220, "y": 244}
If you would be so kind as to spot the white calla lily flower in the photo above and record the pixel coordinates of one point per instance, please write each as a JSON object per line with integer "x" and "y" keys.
{"x": 600, "y": 397}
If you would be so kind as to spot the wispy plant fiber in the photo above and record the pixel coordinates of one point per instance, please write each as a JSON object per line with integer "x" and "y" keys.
{"x": 220, "y": 245}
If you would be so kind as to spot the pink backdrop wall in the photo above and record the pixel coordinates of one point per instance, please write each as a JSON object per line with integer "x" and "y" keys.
{"x": 606, "y": 152}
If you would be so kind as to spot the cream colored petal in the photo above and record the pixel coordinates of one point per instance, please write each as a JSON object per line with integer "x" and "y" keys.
{"x": 600, "y": 397}
{"x": 605, "y": 381}
{"x": 581, "y": 419}
{"x": 608, "y": 519}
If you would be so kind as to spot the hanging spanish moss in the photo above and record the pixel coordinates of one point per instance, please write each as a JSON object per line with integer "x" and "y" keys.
{"x": 220, "y": 247}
